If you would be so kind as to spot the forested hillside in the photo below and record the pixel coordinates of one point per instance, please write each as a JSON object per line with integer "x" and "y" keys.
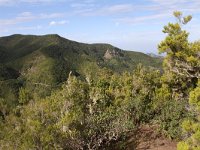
{"x": 40, "y": 64}
{"x": 60, "y": 94}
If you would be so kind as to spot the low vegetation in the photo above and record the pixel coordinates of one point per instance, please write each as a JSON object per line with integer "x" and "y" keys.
{"x": 98, "y": 103}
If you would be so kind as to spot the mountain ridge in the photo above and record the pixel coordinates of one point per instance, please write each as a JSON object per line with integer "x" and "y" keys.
{"x": 48, "y": 59}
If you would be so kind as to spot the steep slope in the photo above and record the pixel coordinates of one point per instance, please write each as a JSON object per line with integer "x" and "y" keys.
{"x": 41, "y": 63}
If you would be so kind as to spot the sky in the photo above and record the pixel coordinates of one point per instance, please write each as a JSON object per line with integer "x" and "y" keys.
{"x": 128, "y": 24}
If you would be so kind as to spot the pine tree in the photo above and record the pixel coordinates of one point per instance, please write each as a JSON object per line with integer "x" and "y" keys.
{"x": 181, "y": 73}
{"x": 181, "y": 64}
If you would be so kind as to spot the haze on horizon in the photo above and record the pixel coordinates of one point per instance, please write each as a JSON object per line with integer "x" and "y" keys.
{"x": 128, "y": 24}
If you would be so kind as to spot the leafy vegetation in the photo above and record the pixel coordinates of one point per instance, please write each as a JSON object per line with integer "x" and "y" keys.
{"x": 89, "y": 114}
{"x": 182, "y": 72}
{"x": 59, "y": 94}
{"x": 42, "y": 63}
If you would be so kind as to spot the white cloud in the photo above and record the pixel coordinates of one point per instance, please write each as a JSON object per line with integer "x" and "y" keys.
{"x": 82, "y": 4}
{"x": 106, "y": 10}
{"x": 27, "y": 17}
{"x": 14, "y": 2}
{"x": 53, "y": 23}
{"x": 135, "y": 20}
{"x": 118, "y": 8}
{"x": 25, "y": 14}
{"x": 52, "y": 15}
{"x": 172, "y": 5}
{"x": 36, "y": 1}
{"x": 16, "y": 20}
{"x": 7, "y": 2}
{"x": 38, "y": 27}
{"x": 156, "y": 6}
{"x": 159, "y": 6}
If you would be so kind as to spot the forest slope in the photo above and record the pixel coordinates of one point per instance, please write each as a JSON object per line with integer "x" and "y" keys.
{"x": 42, "y": 63}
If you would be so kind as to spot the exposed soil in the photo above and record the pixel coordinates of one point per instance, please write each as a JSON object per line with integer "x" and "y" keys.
{"x": 149, "y": 139}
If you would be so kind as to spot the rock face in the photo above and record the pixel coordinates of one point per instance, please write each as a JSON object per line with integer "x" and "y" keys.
{"x": 110, "y": 54}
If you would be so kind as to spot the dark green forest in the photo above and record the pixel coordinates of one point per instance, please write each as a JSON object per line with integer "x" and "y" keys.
{"x": 61, "y": 94}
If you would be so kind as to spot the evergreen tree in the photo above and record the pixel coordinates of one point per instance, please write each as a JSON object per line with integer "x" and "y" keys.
{"x": 181, "y": 64}
{"x": 181, "y": 73}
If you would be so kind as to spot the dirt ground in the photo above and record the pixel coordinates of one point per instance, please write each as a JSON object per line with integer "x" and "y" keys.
{"x": 149, "y": 139}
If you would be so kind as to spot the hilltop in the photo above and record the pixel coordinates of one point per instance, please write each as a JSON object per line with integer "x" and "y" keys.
{"x": 42, "y": 63}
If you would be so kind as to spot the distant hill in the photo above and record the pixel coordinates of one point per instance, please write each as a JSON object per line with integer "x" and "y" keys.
{"x": 41, "y": 63}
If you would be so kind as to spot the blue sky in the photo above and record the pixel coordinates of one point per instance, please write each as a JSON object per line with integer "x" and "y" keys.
{"x": 128, "y": 24}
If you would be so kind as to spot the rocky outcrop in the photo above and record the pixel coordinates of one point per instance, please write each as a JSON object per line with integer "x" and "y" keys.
{"x": 111, "y": 53}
